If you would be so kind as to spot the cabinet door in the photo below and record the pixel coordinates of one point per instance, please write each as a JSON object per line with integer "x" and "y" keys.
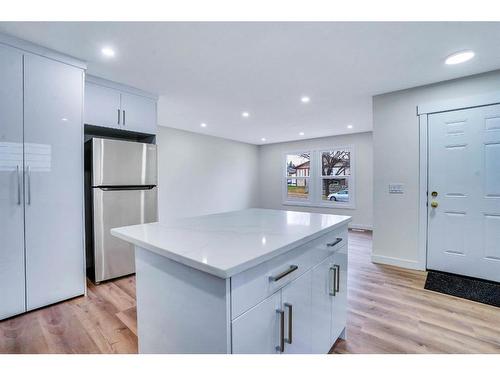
{"x": 322, "y": 290}
{"x": 296, "y": 301}
{"x": 339, "y": 310}
{"x": 12, "y": 299}
{"x": 53, "y": 97}
{"x": 139, "y": 113}
{"x": 102, "y": 106}
{"x": 257, "y": 331}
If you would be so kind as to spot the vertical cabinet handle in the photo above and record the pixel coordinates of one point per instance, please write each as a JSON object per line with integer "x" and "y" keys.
{"x": 123, "y": 117}
{"x": 28, "y": 175}
{"x": 337, "y": 282}
{"x": 333, "y": 281}
{"x": 281, "y": 346}
{"x": 18, "y": 185}
{"x": 119, "y": 116}
{"x": 290, "y": 322}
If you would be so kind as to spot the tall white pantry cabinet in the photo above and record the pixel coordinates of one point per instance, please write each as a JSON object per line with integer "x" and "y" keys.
{"x": 41, "y": 177}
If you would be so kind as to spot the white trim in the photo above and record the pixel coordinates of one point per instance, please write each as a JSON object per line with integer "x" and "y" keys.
{"x": 41, "y": 51}
{"x": 459, "y": 103}
{"x": 119, "y": 86}
{"x": 422, "y": 191}
{"x": 398, "y": 262}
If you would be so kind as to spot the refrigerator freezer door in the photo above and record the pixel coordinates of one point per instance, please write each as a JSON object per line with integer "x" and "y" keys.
{"x": 123, "y": 163}
{"x": 116, "y": 208}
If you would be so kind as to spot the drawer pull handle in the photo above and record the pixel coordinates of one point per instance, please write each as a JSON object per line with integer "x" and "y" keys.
{"x": 281, "y": 346}
{"x": 290, "y": 322}
{"x": 337, "y": 282}
{"x": 337, "y": 241}
{"x": 333, "y": 281}
{"x": 284, "y": 273}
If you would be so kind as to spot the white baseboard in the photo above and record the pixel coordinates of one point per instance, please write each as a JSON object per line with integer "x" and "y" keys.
{"x": 360, "y": 226}
{"x": 398, "y": 262}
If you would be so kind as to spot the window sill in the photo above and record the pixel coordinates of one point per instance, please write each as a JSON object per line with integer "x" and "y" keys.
{"x": 348, "y": 206}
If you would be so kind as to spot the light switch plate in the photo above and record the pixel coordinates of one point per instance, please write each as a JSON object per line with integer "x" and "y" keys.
{"x": 396, "y": 188}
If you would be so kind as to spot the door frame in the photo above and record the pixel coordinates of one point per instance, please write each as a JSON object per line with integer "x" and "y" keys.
{"x": 423, "y": 112}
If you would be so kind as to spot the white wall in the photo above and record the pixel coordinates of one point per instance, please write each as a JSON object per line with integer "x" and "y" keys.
{"x": 396, "y": 159}
{"x": 271, "y": 172}
{"x": 200, "y": 174}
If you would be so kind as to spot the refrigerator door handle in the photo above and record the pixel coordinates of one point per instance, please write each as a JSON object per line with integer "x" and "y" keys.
{"x": 118, "y": 188}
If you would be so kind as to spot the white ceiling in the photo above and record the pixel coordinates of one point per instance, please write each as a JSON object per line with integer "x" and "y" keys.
{"x": 211, "y": 72}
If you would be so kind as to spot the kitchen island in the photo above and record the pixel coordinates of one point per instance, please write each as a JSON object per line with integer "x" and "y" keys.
{"x": 249, "y": 281}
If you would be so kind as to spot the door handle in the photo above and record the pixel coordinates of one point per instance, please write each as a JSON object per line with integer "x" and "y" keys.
{"x": 284, "y": 273}
{"x": 281, "y": 346}
{"x": 290, "y": 322}
{"x": 337, "y": 282}
{"x": 28, "y": 181}
{"x": 123, "y": 117}
{"x": 118, "y": 116}
{"x": 18, "y": 185}
{"x": 331, "y": 244}
{"x": 333, "y": 281}
{"x": 434, "y": 204}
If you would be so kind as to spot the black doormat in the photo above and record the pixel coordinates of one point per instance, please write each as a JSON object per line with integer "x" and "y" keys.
{"x": 487, "y": 292}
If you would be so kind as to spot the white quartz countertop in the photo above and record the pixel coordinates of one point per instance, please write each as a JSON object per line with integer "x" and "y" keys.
{"x": 228, "y": 243}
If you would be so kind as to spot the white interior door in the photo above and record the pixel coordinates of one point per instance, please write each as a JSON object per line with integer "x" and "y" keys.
{"x": 464, "y": 172}
{"x": 12, "y": 298}
{"x": 53, "y": 134}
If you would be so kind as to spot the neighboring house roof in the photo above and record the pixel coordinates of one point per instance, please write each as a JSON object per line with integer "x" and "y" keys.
{"x": 303, "y": 165}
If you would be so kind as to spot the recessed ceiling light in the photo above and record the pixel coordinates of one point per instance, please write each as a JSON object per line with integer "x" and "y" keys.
{"x": 263, "y": 139}
{"x": 108, "y": 52}
{"x": 301, "y": 133}
{"x": 459, "y": 57}
{"x": 245, "y": 114}
{"x": 349, "y": 126}
{"x": 203, "y": 125}
{"x": 64, "y": 119}
{"x": 305, "y": 99}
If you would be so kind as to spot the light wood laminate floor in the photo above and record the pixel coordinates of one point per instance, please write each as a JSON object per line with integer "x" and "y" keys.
{"x": 389, "y": 312}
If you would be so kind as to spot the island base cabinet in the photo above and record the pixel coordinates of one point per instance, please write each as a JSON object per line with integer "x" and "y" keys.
{"x": 339, "y": 301}
{"x": 321, "y": 321}
{"x": 296, "y": 303}
{"x": 257, "y": 331}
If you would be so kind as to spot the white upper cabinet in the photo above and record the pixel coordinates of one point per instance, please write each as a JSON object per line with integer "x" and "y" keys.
{"x": 138, "y": 113}
{"x": 112, "y": 105}
{"x": 102, "y": 106}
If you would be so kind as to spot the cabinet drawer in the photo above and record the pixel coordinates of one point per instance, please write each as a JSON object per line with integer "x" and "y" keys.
{"x": 255, "y": 284}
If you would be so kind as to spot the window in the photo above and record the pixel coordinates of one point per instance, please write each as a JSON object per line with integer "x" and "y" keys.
{"x": 297, "y": 173}
{"x": 320, "y": 178}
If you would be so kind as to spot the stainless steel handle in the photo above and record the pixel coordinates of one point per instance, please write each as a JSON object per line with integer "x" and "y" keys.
{"x": 331, "y": 244}
{"x": 333, "y": 281}
{"x": 119, "y": 116}
{"x": 290, "y": 322}
{"x": 337, "y": 282}
{"x": 123, "y": 117}
{"x": 18, "y": 185}
{"x": 28, "y": 180}
{"x": 281, "y": 346}
{"x": 284, "y": 273}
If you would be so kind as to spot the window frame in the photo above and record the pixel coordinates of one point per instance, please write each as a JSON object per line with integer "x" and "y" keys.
{"x": 315, "y": 180}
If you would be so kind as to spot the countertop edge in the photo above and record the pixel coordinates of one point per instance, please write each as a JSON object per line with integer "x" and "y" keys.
{"x": 225, "y": 274}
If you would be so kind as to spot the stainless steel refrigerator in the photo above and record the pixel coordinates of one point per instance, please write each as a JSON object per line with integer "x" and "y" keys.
{"x": 121, "y": 189}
